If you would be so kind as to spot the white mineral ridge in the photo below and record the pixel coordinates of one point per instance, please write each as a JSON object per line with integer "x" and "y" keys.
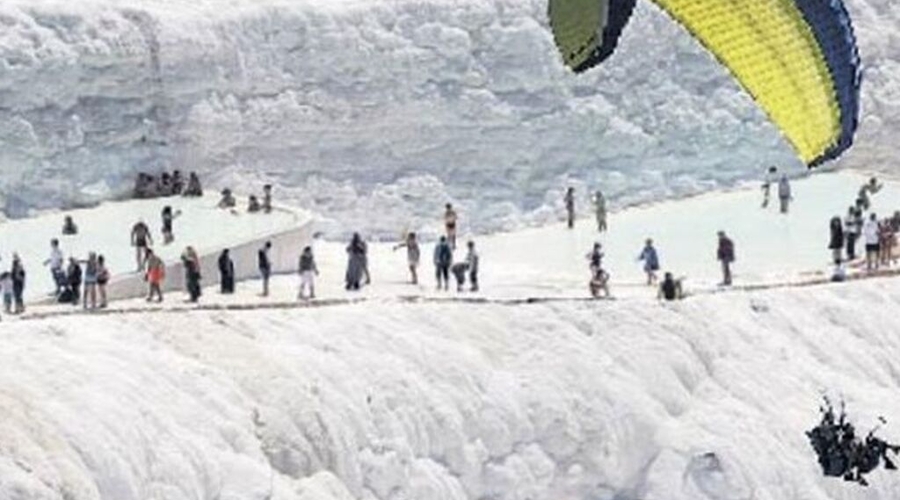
{"x": 364, "y": 110}
{"x": 606, "y": 400}
{"x": 629, "y": 399}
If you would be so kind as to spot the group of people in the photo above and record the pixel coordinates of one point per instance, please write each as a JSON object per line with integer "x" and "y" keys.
{"x": 879, "y": 236}
{"x": 78, "y": 281}
{"x": 166, "y": 184}
{"x": 785, "y": 194}
{"x": 597, "y": 200}
{"x": 12, "y": 284}
{"x": 254, "y": 205}
{"x": 842, "y": 453}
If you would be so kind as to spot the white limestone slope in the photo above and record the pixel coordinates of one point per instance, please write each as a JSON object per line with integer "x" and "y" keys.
{"x": 611, "y": 400}
{"x": 372, "y": 110}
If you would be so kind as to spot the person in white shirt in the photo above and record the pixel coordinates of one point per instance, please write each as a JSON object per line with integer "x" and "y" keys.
{"x": 870, "y": 236}
{"x": 55, "y": 261}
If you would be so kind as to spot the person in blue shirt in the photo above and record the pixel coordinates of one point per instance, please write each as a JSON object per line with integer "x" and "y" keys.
{"x": 651, "y": 261}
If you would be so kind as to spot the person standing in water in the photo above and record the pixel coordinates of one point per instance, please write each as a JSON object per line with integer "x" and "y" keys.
{"x": 725, "y": 254}
{"x": 102, "y": 280}
{"x": 836, "y": 243}
{"x": 308, "y": 272}
{"x": 356, "y": 263}
{"x": 450, "y": 220}
{"x": 443, "y": 258}
{"x": 472, "y": 260}
{"x": 226, "y": 272}
{"x": 55, "y": 261}
{"x": 167, "y": 217}
{"x": 852, "y": 228}
{"x": 191, "y": 262}
{"x": 651, "y": 261}
{"x": 600, "y": 211}
{"x": 413, "y": 255}
{"x": 595, "y": 258}
{"x": 872, "y": 240}
{"x": 265, "y": 266}
{"x": 769, "y": 179}
{"x": 784, "y": 193}
{"x": 141, "y": 241}
{"x": 569, "y": 199}
{"x": 156, "y": 273}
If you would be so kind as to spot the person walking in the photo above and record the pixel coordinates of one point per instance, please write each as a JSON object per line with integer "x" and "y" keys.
{"x": 90, "y": 281}
{"x": 569, "y": 200}
{"x": 356, "y": 263}
{"x": 726, "y": 256}
{"x": 308, "y": 272}
{"x": 651, "y": 261}
{"x": 102, "y": 280}
{"x": 226, "y": 272}
{"x": 18, "y": 283}
{"x": 265, "y": 266}
{"x": 472, "y": 260}
{"x": 443, "y": 258}
{"x": 784, "y": 193}
{"x": 156, "y": 274}
{"x": 600, "y": 211}
{"x": 191, "y": 262}
{"x": 413, "y": 255}
{"x": 872, "y": 240}
{"x": 75, "y": 277}
{"x": 836, "y": 242}
{"x": 141, "y": 241}
{"x": 55, "y": 261}
{"x": 450, "y": 220}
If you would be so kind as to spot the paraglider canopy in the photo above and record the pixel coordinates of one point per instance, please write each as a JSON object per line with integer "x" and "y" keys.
{"x": 797, "y": 58}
